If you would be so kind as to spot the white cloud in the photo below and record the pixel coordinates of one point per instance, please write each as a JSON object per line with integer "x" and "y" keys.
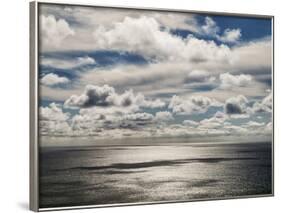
{"x": 253, "y": 57}
{"x": 229, "y": 81}
{"x": 212, "y": 29}
{"x": 193, "y": 104}
{"x": 267, "y": 101}
{"x": 264, "y": 106}
{"x": 217, "y": 121}
{"x": 230, "y": 36}
{"x": 52, "y": 79}
{"x": 190, "y": 123}
{"x": 117, "y": 124}
{"x": 152, "y": 42}
{"x": 67, "y": 64}
{"x": 236, "y": 105}
{"x": 253, "y": 124}
{"x": 181, "y": 66}
{"x": 164, "y": 116}
{"x": 84, "y": 20}
{"x": 199, "y": 76}
{"x": 91, "y": 121}
{"x": 106, "y": 96}
{"x": 89, "y": 17}
{"x": 148, "y": 39}
{"x": 94, "y": 96}
{"x": 268, "y": 127}
{"x": 53, "y": 32}
{"x": 53, "y": 121}
{"x": 170, "y": 77}
{"x": 53, "y": 113}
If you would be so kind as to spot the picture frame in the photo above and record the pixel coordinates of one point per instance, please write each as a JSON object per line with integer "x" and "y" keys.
{"x": 142, "y": 136}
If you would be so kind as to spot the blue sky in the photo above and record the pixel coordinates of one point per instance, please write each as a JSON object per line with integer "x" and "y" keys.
{"x": 129, "y": 73}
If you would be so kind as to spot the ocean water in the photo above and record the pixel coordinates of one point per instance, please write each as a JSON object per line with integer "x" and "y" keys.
{"x": 151, "y": 171}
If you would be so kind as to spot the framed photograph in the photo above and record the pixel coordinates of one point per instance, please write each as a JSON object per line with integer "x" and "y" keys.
{"x": 134, "y": 106}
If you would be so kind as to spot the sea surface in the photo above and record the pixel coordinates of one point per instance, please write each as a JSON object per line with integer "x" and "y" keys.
{"x": 153, "y": 170}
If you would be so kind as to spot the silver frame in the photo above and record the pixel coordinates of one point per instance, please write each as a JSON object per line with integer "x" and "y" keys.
{"x": 34, "y": 91}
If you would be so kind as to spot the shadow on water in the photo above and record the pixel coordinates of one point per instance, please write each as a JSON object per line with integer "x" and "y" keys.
{"x": 156, "y": 163}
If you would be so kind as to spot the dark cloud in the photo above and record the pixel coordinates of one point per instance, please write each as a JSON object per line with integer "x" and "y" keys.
{"x": 105, "y": 96}
{"x": 236, "y": 105}
{"x": 233, "y": 108}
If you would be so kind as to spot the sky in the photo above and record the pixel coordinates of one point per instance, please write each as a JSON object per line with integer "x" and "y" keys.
{"x": 121, "y": 73}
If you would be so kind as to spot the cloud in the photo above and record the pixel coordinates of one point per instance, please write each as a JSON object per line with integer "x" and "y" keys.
{"x": 190, "y": 123}
{"x": 136, "y": 120}
{"x": 83, "y": 16}
{"x": 217, "y": 121}
{"x": 229, "y": 81}
{"x": 199, "y": 76}
{"x": 53, "y": 32}
{"x": 52, "y": 79}
{"x": 267, "y": 101}
{"x": 230, "y": 36}
{"x": 211, "y": 28}
{"x": 264, "y": 106}
{"x": 67, "y": 63}
{"x": 106, "y": 96}
{"x": 84, "y": 20}
{"x": 253, "y": 57}
{"x": 193, "y": 104}
{"x": 91, "y": 121}
{"x": 53, "y": 121}
{"x": 236, "y": 105}
{"x": 164, "y": 116}
{"x": 53, "y": 113}
{"x": 172, "y": 65}
{"x": 113, "y": 124}
{"x": 95, "y": 96}
{"x": 253, "y": 124}
{"x": 154, "y": 43}
{"x": 147, "y": 34}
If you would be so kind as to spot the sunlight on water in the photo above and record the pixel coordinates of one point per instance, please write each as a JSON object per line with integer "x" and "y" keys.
{"x": 123, "y": 173}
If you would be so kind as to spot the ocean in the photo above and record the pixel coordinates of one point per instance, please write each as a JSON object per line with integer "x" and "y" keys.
{"x": 150, "y": 170}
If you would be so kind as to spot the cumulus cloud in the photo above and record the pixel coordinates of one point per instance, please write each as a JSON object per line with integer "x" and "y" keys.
{"x": 53, "y": 113}
{"x": 193, "y": 104}
{"x": 53, "y": 31}
{"x": 263, "y": 106}
{"x": 253, "y": 124}
{"x": 190, "y": 123}
{"x": 53, "y": 121}
{"x": 212, "y": 29}
{"x": 83, "y": 20}
{"x": 254, "y": 57}
{"x": 230, "y": 36}
{"x": 106, "y": 96}
{"x": 164, "y": 116}
{"x": 199, "y": 76}
{"x": 217, "y": 121}
{"x": 152, "y": 42}
{"x": 178, "y": 67}
{"x": 52, "y": 79}
{"x": 67, "y": 63}
{"x": 229, "y": 81}
{"x": 136, "y": 120}
{"x": 147, "y": 34}
{"x": 95, "y": 96}
{"x": 92, "y": 121}
{"x": 236, "y": 105}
